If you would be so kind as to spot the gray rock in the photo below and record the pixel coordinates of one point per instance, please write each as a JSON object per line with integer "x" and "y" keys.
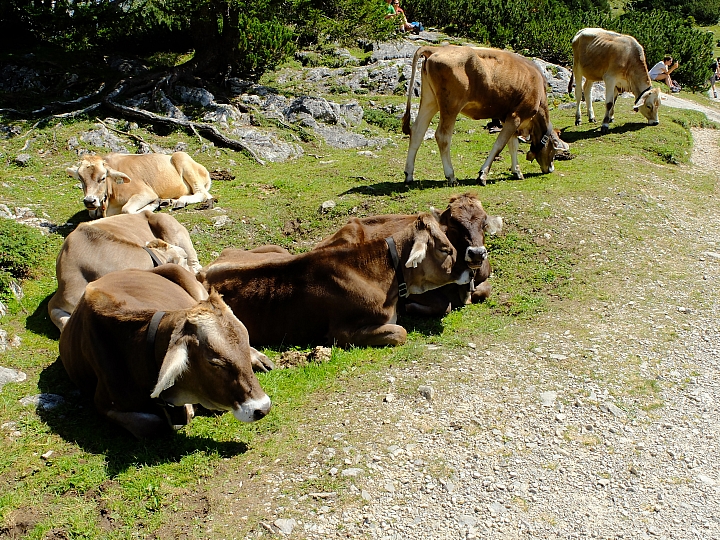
{"x": 194, "y": 96}
{"x": 352, "y": 472}
{"x": 341, "y": 138}
{"x": 22, "y": 160}
{"x": 352, "y": 112}
{"x": 614, "y": 409}
{"x": 267, "y": 145}
{"x": 225, "y": 114}
{"x": 318, "y": 108}
{"x": 548, "y": 398}
{"x": 285, "y": 526}
{"x": 391, "y": 51}
{"x": 103, "y": 138}
{"x": 326, "y": 206}
{"x": 44, "y": 402}
{"x": 8, "y": 375}
{"x": 428, "y": 392}
{"x": 167, "y": 107}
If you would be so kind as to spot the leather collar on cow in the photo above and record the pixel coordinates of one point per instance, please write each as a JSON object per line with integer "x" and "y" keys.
{"x": 402, "y": 286}
{"x": 536, "y": 147}
{"x": 176, "y": 416}
{"x": 642, "y": 94}
{"x": 156, "y": 262}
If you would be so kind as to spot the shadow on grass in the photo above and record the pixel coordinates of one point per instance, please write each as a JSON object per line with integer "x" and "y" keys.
{"x": 39, "y": 321}
{"x": 396, "y": 188}
{"x": 426, "y": 326}
{"x": 77, "y": 421}
{"x": 585, "y": 134}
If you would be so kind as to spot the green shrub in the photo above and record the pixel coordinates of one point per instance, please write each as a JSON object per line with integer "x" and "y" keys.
{"x": 383, "y": 120}
{"x": 705, "y": 12}
{"x": 21, "y": 248}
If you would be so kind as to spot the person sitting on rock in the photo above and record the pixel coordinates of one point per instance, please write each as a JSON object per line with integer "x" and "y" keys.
{"x": 662, "y": 70}
{"x": 395, "y": 11}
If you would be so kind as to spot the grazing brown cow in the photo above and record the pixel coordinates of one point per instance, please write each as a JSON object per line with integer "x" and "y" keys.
{"x": 619, "y": 61}
{"x": 481, "y": 83}
{"x": 464, "y": 222}
{"x": 146, "y": 345}
{"x": 131, "y": 183}
{"x": 96, "y": 248}
{"x": 343, "y": 294}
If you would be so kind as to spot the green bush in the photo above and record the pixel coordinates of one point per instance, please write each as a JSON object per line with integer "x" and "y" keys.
{"x": 21, "y": 248}
{"x": 383, "y": 120}
{"x": 705, "y": 12}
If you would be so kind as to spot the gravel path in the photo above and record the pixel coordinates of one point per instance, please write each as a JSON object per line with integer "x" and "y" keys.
{"x": 602, "y": 422}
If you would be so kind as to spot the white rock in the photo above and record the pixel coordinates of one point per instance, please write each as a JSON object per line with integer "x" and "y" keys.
{"x": 285, "y": 526}
{"x": 354, "y": 471}
{"x": 548, "y": 398}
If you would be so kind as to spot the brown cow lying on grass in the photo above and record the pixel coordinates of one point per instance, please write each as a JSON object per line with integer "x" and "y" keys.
{"x": 94, "y": 249}
{"x": 346, "y": 295}
{"x": 464, "y": 222}
{"x": 146, "y": 345}
{"x": 481, "y": 83}
{"x": 131, "y": 183}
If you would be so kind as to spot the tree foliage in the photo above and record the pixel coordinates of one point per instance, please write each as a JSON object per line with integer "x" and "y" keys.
{"x": 705, "y": 12}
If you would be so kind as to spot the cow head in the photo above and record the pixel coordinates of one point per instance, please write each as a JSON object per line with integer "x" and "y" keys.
{"x": 431, "y": 260}
{"x": 649, "y": 105}
{"x": 208, "y": 361}
{"x": 96, "y": 179}
{"x": 543, "y": 148}
{"x": 465, "y": 223}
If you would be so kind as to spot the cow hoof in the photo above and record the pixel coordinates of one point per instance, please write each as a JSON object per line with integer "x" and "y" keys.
{"x": 519, "y": 175}
{"x": 164, "y": 203}
{"x": 452, "y": 182}
{"x": 482, "y": 179}
{"x": 178, "y": 204}
{"x": 604, "y": 129}
{"x": 577, "y": 122}
{"x": 408, "y": 178}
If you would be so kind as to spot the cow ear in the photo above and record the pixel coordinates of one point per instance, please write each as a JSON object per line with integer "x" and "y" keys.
{"x": 117, "y": 176}
{"x": 435, "y": 213}
{"x": 560, "y": 145}
{"x": 493, "y": 224}
{"x": 175, "y": 363}
{"x": 73, "y": 171}
{"x": 419, "y": 249}
{"x": 530, "y": 155}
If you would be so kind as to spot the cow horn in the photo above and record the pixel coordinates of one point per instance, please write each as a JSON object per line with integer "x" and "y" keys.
{"x": 174, "y": 364}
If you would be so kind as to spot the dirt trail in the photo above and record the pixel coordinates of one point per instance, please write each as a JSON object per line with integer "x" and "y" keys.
{"x": 595, "y": 421}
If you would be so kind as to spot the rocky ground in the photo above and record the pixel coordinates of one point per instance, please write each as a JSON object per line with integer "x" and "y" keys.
{"x": 593, "y": 423}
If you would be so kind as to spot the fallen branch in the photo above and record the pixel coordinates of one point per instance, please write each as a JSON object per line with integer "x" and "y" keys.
{"x": 137, "y": 138}
{"x": 210, "y": 132}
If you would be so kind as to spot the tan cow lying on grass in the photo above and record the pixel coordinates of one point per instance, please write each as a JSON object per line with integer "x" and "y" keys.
{"x": 619, "y": 61}
{"x": 146, "y": 345}
{"x": 346, "y": 295}
{"x": 481, "y": 83}
{"x": 464, "y": 222}
{"x": 131, "y": 183}
{"x": 96, "y": 248}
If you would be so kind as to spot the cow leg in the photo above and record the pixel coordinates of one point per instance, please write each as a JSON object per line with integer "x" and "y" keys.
{"x": 577, "y": 73}
{"x": 443, "y": 136}
{"x": 587, "y": 91}
{"x": 142, "y": 425}
{"x": 59, "y": 317}
{"x": 508, "y": 131}
{"x": 513, "y": 145}
{"x": 371, "y": 336}
{"x": 428, "y": 109}
{"x": 139, "y": 203}
{"x": 191, "y": 199}
{"x": 609, "y": 110}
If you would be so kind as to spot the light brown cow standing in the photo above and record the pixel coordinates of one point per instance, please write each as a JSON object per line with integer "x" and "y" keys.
{"x": 120, "y": 242}
{"x": 481, "y": 83}
{"x": 619, "y": 61}
{"x": 131, "y": 183}
{"x": 146, "y": 345}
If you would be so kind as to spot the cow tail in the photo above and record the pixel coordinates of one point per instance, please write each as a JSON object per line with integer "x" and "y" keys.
{"x": 570, "y": 84}
{"x": 422, "y": 51}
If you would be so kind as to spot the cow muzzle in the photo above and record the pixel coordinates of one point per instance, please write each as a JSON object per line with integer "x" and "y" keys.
{"x": 91, "y": 202}
{"x": 252, "y": 410}
{"x": 475, "y": 256}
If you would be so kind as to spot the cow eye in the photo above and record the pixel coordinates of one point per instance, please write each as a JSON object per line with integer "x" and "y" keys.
{"x": 218, "y": 363}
